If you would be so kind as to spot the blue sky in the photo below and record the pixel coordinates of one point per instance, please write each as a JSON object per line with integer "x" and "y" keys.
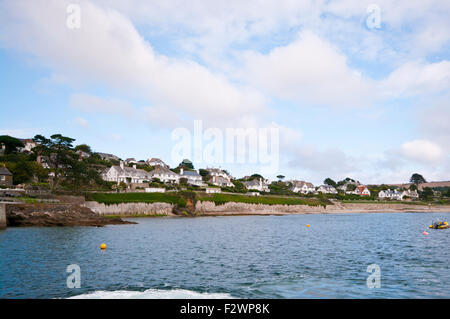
{"x": 347, "y": 99}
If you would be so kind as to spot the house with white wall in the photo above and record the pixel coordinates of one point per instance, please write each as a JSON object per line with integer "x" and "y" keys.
{"x": 128, "y": 175}
{"x": 193, "y": 177}
{"x": 257, "y": 184}
{"x": 302, "y": 187}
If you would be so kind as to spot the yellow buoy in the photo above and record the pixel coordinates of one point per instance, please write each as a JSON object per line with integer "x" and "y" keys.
{"x": 103, "y": 246}
{"x": 431, "y": 226}
{"x": 307, "y": 225}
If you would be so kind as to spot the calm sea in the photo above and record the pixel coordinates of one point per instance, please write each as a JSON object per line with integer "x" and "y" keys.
{"x": 236, "y": 257}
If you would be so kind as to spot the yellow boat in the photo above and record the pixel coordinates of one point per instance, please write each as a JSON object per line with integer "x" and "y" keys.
{"x": 439, "y": 225}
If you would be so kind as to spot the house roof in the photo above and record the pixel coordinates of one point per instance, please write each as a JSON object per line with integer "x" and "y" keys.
{"x": 5, "y": 171}
{"x": 162, "y": 170}
{"x": 190, "y": 173}
{"x": 219, "y": 179}
{"x": 130, "y": 171}
{"x": 302, "y": 183}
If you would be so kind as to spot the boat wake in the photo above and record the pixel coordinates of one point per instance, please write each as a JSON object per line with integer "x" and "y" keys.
{"x": 152, "y": 294}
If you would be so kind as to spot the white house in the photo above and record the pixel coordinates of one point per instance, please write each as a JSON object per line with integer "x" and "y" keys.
{"x": 391, "y": 194}
{"x": 165, "y": 175}
{"x": 326, "y": 189}
{"x": 302, "y": 187}
{"x": 121, "y": 173}
{"x": 156, "y": 162}
{"x": 411, "y": 194}
{"x": 220, "y": 181}
{"x": 219, "y": 177}
{"x": 361, "y": 190}
{"x": 257, "y": 184}
{"x": 28, "y": 143}
{"x": 192, "y": 177}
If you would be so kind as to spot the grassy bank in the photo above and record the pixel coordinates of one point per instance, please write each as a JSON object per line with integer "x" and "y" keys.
{"x": 118, "y": 198}
{"x": 220, "y": 199}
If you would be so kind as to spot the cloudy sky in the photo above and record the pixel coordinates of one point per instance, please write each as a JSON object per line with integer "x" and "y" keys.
{"x": 349, "y": 96}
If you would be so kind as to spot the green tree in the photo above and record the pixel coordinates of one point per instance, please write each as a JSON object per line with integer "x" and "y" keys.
{"x": 417, "y": 179}
{"x": 186, "y": 164}
{"x": 11, "y": 143}
{"x": 84, "y": 148}
{"x": 427, "y": 193}
{"x": 413, "y": 187}
{"x": 329, "y": 181}
{"x": 59, "y": 150}
{"x": 280, "y": 177}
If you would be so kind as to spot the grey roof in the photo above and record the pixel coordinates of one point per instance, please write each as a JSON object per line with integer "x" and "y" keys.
{"x": 5, "y": 171}
{"x": 161, "y": 170}
{"x": 190, "y": 173}
{"x": 130, "y": 171}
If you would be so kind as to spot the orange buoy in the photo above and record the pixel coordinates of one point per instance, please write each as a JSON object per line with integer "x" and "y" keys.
{"x": 103, "y": 246}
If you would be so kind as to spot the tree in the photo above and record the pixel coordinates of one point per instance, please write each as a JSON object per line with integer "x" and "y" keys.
{"x": 84, "y": 148}
{"x": 427, "y": 193}
{"x": 59, "y": 150}
{"x": 351, "y": 187}
{"x": 417, "y": 179}
{"x": 11, "y": 143}
{"x": 413, "y": 187}
{"x": 329, "y": 181}
{"x": 256, "y": 176}
{"x": 280, "y": 177}
{"x": 186, "y": 164}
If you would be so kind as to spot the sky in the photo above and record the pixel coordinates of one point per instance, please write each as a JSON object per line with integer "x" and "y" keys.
{"x": 353, "y": 88}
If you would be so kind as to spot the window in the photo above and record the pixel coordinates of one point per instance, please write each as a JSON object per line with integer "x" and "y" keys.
{"x": 3, "y": 178}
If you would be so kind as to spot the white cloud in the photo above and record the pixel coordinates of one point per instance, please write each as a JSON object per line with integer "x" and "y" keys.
{"x": 309, "y": 70}
{"x": 414, "y": 78}
{"x": 81, "y": 122}
{"x": 422, "y": 151}
{"x": 94, "y": 104}
{"x": 107, "y": 49}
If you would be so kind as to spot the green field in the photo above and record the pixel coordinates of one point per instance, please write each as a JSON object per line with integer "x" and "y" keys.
{"x": 117, "y": 198}
{"x": 220, "y": 199}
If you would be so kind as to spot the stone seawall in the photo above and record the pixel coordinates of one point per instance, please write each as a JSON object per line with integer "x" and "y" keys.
{"x": 2, "y": 216}
{"x": 129, "y": 209}
{"x": 231, "y": 208}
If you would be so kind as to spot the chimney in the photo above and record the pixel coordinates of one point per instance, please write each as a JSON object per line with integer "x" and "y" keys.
{"x": 134, "y": 166}
{"x": 181, "y": 171}
{"x": 121, "y": 164}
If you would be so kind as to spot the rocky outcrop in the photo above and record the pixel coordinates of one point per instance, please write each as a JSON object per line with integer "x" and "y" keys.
{"x": 131, "y": 209}
{"x": 56, "y": 215}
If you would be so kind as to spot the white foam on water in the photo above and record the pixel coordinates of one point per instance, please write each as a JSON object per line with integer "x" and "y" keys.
{"x": 152, "y": 294}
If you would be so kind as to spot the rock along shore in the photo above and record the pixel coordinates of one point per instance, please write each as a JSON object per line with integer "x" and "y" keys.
{"x": 56, "y": 215}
